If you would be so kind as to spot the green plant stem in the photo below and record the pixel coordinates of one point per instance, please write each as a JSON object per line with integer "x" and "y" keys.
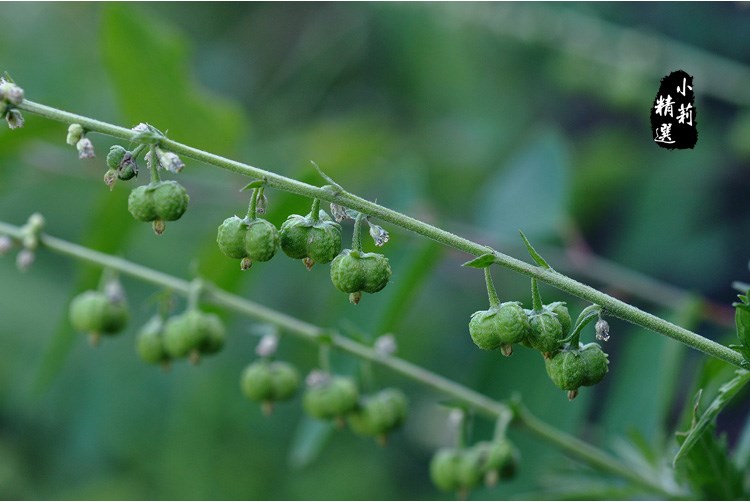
{"x": 491, "y": 292}
{"x": 357, "y": 233}
{"x": 252, "y": 209}
{"x": 612, "y": 305}
{"x": 153, "y": 164}
{"x": 479, "y": 402}
{"x": 315, "y": 210}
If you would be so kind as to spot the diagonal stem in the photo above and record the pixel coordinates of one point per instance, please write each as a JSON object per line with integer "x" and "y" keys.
{"x": 612, "y": 305}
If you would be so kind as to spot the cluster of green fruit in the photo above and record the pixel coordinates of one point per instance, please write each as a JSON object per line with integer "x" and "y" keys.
{"x": 328, "y": 397}
{"x": 546, "y": 328}
{"x": 189, "y": 334}
{"x": 461, "y": 469}
{"x": 313, "y": 238}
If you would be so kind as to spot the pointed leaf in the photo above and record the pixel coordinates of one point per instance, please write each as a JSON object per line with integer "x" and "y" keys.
{"x": 709, "y": 471}
{"x": 483, "y": 261}
{"x": 726, "y": 393}
{"x": 253, "y": 184}
{"x": 536, "y": 256}
{"x": 308, "y": 442}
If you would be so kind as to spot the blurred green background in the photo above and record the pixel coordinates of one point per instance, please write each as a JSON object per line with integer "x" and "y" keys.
{"x": 480, "y": 118}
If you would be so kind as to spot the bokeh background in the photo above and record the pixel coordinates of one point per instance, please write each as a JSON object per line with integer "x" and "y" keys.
{"x": 480, "y": 118}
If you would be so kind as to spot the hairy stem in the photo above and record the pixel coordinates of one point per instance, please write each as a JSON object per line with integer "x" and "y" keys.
{"x": 612, "y": 305}
{"x": 482, "y": 404}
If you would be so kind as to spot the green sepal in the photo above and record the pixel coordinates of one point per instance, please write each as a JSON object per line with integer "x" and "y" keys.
{"x": 536, "y": 256}
{"x": 253, "y": 184}
{"x": 483, "y": 261}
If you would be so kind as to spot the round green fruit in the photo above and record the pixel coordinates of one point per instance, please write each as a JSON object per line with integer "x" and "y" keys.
{"x": 499, "y": 327}
{"x": 162, "y": 200}
{"x": 354, "y": 272}
{"x": 570, "y": 369}
{"x": 561, "y": 311}
{"x": 269, "y": 381}
{"x": 332, "y": 398}
{"x": 379, "y": 414}
{"x": 193, "y": 332}
{"x": 499, "y": 460}
{"x": 444, "y": 467}
{"x": 248, "y": 240}
{"x": 546, "y": 332}
{"x": 93, "y": 312}
{"x": 149, "y": 342}
{"x": 315, "y": 241}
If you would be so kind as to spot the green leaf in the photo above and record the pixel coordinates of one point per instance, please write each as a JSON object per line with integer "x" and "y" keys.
{"x": 725, "y": 395}
{"x": 147, "y": 60}
{"x": 708, "y": 469}
{"x": 483, "y": 261}
{"x": 536, "y": 256}
{"x": 742, "y": 320}
{"x": 309, "y": 440}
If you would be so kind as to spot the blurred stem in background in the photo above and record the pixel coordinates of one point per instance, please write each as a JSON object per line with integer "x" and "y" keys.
{"x": 643, "y": 54}
{"x": 585, "y": 452}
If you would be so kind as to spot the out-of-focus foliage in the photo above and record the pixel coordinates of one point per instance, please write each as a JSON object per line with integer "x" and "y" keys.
{"x": 482, "y": 118}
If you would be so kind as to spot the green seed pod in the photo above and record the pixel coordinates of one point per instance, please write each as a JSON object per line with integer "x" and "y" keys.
{"x": 315, "y": 241}
{"x": 261, "y": 240}
{"x": 570, "y": 369}
{"x": 231, "y": 238}
{"x": 497, "y": 327}
{"x": 444, "y": 468}
{"x": 149, "y": 342}
{"x": 269, "y": 381}
{"x": 353, "y": 272}
{"x": 193, "y": 332}
{"x": 247, "y": 240}
{"x": 162, "y": 200}
{"x": 128, "y": 171}
{"x": 546, "y": 332}
{"x": 170, "y": 200}
{"x": 499, "y": 460}
{"x": 215, "y": 334}
{"x": 141, "y": 205}
{"x": 332, "y": 398}
{"x": 379, "y": 414}
{"x": 115, "y": 156}
{"x": 471, "y": 468}
{"x": 596, "y": 363}
{"x": 93, "y": 312}
{"x": 561, "y": 311}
